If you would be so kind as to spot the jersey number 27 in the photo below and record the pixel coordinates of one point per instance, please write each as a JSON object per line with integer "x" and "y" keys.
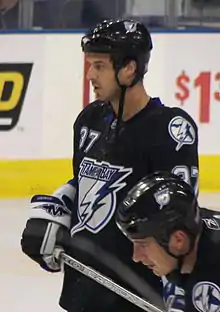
{"x": 189, "y": 174}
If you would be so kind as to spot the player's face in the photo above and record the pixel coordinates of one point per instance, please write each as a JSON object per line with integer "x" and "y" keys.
{"x": 101, "y": 74}
{"x": 151, "y": 254}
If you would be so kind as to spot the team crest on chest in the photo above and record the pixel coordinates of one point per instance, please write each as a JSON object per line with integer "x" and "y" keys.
{"x": 99, "y": 183}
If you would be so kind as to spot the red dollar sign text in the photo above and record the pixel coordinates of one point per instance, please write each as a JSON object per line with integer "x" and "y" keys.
{"x": 182, "y": 83}
{"x": 203, "y": 82}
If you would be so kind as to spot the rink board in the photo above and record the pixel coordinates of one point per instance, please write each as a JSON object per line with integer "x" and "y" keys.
{"x": 50, "y": 89}
{"x": 25, "y": 178}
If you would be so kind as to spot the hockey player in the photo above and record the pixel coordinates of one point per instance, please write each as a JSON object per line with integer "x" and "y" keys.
{"x": 122, "y": 136}
{"x": 176, "y": 239}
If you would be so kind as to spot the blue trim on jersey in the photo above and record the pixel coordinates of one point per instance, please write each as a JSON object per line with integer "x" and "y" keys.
{"x": 72, "y": 182}
{"x": 109, "y": 118}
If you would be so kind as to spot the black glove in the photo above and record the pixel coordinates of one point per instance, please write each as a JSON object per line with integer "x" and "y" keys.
{"x": 48, "y": 227}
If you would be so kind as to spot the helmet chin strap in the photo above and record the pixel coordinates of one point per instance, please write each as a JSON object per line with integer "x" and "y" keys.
{"x": 120, "y": 110}
{"x": 122, "y": 99}
{"x": 176, "y": 276}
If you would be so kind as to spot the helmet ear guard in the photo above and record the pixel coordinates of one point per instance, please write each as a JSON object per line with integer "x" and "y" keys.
{"x": 119, "y": 61}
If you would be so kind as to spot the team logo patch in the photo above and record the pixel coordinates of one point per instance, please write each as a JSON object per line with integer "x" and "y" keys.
{"x": 130, "y": 26}
{"x": 206, "y": 297}
{"x": 212, "y": 224}
{"x": 99, "y": 183}
{"x": 162, "y": 197}
{"x": 181, "y": 131}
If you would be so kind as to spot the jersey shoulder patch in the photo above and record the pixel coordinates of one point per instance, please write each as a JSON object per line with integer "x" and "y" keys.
{"x": 181, "y": 131}
{"x": 206, "y": 297}
{"x": 211, "y": 218}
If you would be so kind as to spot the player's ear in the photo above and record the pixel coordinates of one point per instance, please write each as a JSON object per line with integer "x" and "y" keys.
{"x": 178, "y": 242}
{"x": 127, "y": 73}
{"x": 131, "y": 67}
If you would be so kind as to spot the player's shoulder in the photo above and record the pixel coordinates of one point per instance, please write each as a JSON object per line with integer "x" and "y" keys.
{"x": 210, "y": 237}
{"x": 174, "y": 114}
{"x": 173, "y": 120}
{"x": 93, "y": 111}
{"x": 211, "y": 220}
{"x": 179, "y": 113}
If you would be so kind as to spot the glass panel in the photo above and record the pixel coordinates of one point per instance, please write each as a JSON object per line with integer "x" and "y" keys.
{"x": 81, "y": 14}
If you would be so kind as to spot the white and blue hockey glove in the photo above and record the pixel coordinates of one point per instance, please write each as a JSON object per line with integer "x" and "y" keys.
{"x": 48, "y": 227}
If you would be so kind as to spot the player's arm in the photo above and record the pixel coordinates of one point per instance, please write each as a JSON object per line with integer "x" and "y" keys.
{"x": 48, "y": 225}
{"x": 175, "y": 146}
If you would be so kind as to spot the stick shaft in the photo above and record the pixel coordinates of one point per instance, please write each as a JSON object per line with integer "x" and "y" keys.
{"x": 108, "y": 283}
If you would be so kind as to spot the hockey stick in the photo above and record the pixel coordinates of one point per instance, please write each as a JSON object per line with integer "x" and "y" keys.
{"x": 104, "y": 281}
{"x": 122, "y": 270}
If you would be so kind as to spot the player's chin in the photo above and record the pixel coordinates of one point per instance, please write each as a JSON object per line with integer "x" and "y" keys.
{"x": 161, "y": 272}
{"x": 98, "y": 95}
{"x": 157, "y": 272}
{"x": 102, "y": 97}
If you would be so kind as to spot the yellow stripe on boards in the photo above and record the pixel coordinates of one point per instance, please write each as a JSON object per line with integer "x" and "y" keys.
{"x": 209, "y": 173}
{"x": 24, "y": 178}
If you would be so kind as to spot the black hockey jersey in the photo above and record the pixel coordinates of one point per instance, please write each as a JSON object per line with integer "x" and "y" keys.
{"x": 106, "y": 166}
{"x": 201, "y": 289}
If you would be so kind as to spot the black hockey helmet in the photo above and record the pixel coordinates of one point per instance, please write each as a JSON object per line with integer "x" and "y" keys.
{"x": 124, "y": 40}
{"x": 157, "y": 206}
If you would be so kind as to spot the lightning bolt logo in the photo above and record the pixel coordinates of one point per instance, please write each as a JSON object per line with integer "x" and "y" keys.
{"x": 99, "y": 183}
{"x": 181, "y": 131}
{"x": 206, "y": 297}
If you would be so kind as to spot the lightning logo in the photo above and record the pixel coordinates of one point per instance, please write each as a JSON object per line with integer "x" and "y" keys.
{"x": 181, "y": 131}
{"x": 99, "y": 183}
{"x": 206, "y": 297}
